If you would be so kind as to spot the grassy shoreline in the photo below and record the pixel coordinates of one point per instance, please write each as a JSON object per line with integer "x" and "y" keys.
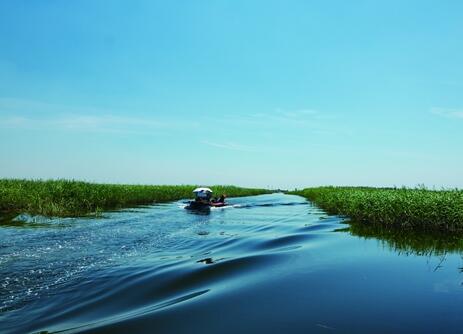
{"x": 67, "y": 198}
{"x": 420, "y": 209}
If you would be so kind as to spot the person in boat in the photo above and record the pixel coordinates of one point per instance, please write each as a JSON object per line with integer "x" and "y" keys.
{"x": 202, "y": 196}
{"x": 221, "y": 199}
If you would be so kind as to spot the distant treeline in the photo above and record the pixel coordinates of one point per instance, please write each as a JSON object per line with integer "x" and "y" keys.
{"x": 402, "y": 207}
{"x": 66, "y": 198}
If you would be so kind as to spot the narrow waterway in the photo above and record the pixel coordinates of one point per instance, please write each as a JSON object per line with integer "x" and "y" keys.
{"x": 271, "y": 263}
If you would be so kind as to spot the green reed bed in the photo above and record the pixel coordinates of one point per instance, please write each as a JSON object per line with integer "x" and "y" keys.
{"x": 66, "y": 198}
{"x": 402, "y": 207}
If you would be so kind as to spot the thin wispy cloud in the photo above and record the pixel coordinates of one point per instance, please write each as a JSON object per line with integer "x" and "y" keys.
{"x": 80, "y": 123}
{"x": 17, "y": 105}
{"x": 296, "y": 117}
{"x": 277, "y": 117}
{"x": 104, "y": 121}
{"x": 446, "y": 112}
{"x": 13, "y": 121}
{"x": 288, "y": 121}
{"x": 46, "y": 116}
{"x": 298, "y": 113}
{"x": 231, "y": 146}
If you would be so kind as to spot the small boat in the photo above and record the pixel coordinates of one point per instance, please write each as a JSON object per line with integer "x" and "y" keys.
{"x": 217, "y": 204}
{"x": 203, "y": 200}
{"x": 197, "y": 206}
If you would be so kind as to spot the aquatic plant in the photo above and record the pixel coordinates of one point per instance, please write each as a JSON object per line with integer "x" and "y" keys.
{"x": 419, "y": 208}
{"x": 75, "y": 198}
{"x": 409, "y": 241}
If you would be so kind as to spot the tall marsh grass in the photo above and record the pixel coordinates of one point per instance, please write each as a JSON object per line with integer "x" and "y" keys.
{"x": 413, "y": 208}
{"x": 75, "y": 198}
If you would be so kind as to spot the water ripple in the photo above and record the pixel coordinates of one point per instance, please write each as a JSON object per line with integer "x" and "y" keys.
{"x": 183, "y": 272}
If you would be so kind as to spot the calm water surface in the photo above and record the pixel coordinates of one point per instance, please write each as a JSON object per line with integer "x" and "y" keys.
{"x": 271, "y": 263}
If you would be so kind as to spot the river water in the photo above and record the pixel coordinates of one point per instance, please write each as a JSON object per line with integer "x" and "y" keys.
{"x": 271, "y": 263}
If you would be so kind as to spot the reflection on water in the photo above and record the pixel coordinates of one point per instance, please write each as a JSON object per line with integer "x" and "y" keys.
{"x": 270, "y": 263}
{"x": 405, "y": 241}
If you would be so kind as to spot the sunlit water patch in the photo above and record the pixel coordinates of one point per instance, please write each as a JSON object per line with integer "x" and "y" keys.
{"x": 271, "y": 263}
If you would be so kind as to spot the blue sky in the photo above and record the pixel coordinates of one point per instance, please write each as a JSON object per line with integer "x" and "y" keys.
{"x": 254, "y": 93}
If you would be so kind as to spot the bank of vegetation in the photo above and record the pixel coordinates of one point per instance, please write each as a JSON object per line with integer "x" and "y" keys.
{"x": 67, "y": 198}
{"x": 420, "y": 208}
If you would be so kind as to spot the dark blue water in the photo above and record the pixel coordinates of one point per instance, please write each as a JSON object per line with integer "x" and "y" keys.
{"x": 271, "y": 263}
